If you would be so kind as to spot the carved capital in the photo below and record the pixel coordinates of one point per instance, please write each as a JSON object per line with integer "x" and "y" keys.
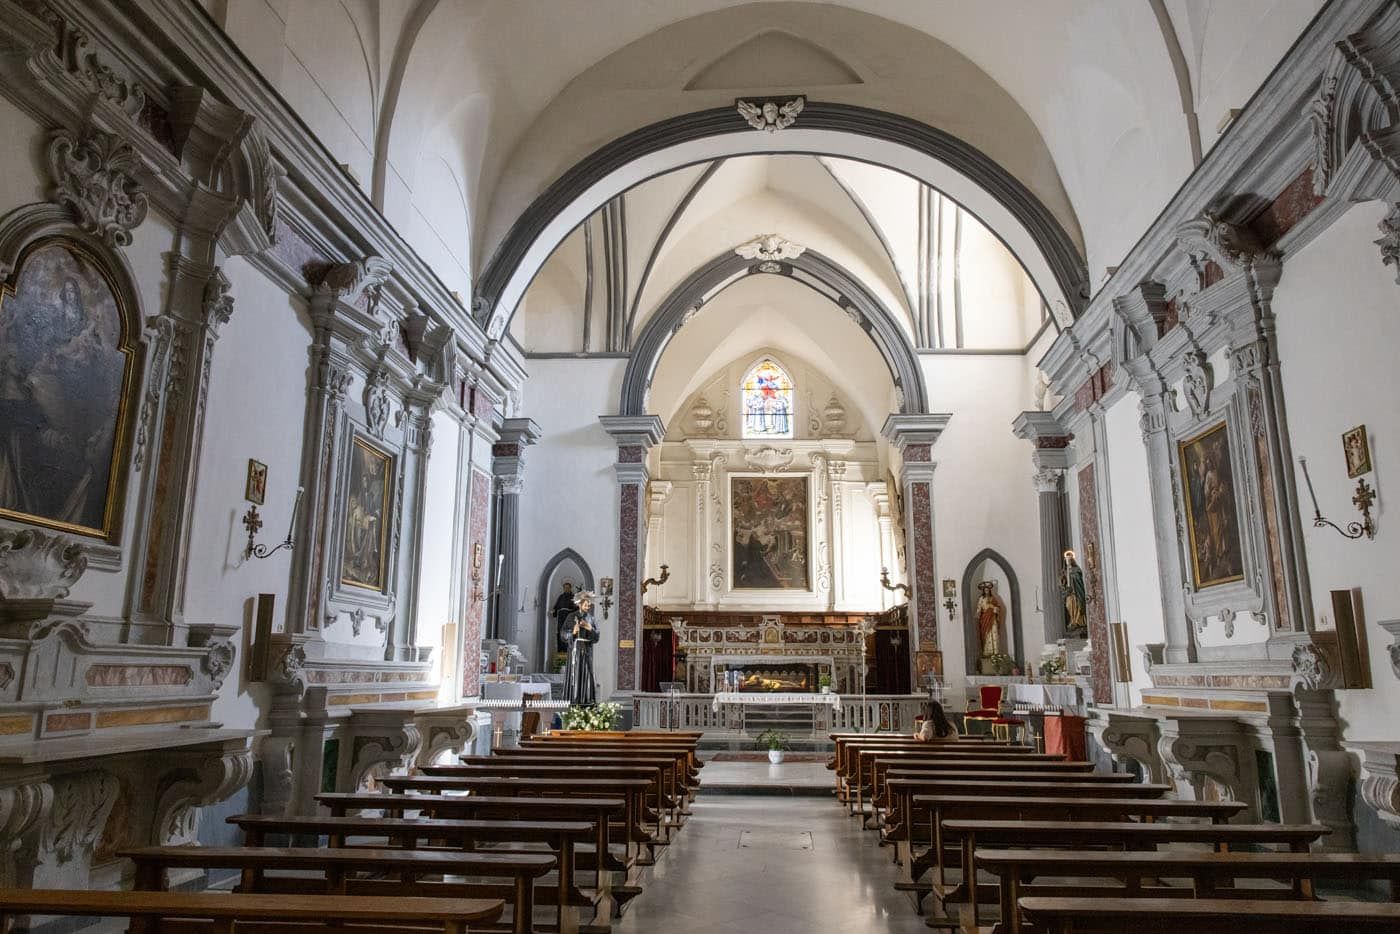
{"x": 95, "y": 176}
{"x": 38, "y": 565}
{"x": 376, "y": 756}
{"x": 1047, "y": 480}
{"x": 349, "y": 281}
{"x": 218, "y": 301}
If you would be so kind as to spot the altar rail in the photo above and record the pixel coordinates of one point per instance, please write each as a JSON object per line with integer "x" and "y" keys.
{"x": 882, "y": 712}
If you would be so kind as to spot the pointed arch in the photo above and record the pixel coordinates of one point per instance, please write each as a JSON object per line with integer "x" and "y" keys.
{"x": 542, "y": 628}
{"x": 1013, "y": 604}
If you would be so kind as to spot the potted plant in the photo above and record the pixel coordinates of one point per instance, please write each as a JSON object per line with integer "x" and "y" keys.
{"x": 824, "y": 682}
{"x": 776, "y": 741}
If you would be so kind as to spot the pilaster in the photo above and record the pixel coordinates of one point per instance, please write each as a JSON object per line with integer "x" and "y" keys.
{"x": 1050, "y": 458}
{"x": 508, "y": 468}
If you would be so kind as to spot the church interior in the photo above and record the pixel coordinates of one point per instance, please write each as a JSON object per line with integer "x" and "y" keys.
{"x": 704, "y": 465}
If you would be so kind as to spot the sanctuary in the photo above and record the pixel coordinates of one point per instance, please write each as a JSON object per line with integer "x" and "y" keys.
{"x": 456, "y": 428}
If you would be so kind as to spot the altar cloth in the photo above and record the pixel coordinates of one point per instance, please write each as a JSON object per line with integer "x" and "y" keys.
{"x": 777, "y": 699}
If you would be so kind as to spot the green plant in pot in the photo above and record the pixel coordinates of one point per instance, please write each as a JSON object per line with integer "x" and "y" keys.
{"x": 824, "y": 682}
{"x": 776, "y": 742}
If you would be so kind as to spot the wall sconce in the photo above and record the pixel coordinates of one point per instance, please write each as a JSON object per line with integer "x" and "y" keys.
{"x": 950, "y": 597}
{"x": 477, "y": 595}
{"x": 1363, "y": 500}
{"x": 605, "y": 587}
{"x": 253, "y": 523}
{"x": 658, "y": 581}
{"x": 885, "y": 583}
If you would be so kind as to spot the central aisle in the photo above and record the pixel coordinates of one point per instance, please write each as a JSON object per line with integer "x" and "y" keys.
{"x": 707, "y": 882}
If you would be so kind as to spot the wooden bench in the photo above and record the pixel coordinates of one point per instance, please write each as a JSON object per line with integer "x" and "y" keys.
{"x": 954, "y": 772}
{"x": 571, "y": 741}
{"x": 1208, "y": 873}
{"x": 941, "y": 808}
{"x": 337, "y": 866}
{"x": 687, "y": 776}
{"x": 631, "y": 790}
{"x": 662, "y": 790}
{"x": 850, "y": 775}
{"x": 228, "y": 913}
{"x": 562, "y": 837}
{"x": 1207, "y": 916}
{"x": 875, "y": 763}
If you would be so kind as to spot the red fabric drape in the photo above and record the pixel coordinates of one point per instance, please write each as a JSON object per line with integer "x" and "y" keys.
{"x": 658, "y": 658}
{"x": 891, "y": 675}
{"x": 1065, "y": 735}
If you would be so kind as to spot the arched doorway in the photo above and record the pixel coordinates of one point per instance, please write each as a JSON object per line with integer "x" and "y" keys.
{"x": 989, "y": 565}
{"x": 567, "y": 565}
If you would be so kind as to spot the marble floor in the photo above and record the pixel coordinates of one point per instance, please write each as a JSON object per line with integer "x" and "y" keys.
{"x": 803, "y": 776}
{"x": 802, "y": 866}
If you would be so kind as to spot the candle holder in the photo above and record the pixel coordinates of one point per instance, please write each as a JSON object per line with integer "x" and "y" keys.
{"x": 885, "y": 583}
{"x": 658, "y": 581}
{"x": 605, "y": 587}
{"x": 252, "y": 521}
{"x": 1363, "y": 499}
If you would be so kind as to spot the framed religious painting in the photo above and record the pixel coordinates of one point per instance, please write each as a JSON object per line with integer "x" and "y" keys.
{"x": 364, "y": 557}
{"x": 769, "y": 533}
{"x": 1357, "y": 450}
{"x": 68, "y": 362}
{"x": 1212, "y": 512}
{"x": 255, "y": 490}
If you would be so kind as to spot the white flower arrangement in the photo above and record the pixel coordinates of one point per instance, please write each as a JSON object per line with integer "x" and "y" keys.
{"x": 597, "y": 717}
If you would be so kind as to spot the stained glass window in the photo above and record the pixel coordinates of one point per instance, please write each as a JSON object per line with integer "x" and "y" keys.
{"x": 767, "y": 400}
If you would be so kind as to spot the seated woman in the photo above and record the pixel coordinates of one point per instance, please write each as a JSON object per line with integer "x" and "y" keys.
{"x": 936, "y": 727}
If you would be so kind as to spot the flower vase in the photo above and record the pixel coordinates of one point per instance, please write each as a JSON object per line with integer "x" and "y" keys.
{"x": 775, "y": 756}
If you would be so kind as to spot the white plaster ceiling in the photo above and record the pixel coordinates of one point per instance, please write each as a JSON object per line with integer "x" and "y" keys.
{"x": 456, "y": 114}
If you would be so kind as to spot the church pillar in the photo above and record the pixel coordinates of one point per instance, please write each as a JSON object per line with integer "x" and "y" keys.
{"x": 635, "y": 435}
{"x": 508, "y": 468}
{"x": 1050, "y": 459}
{"x": 914, "y": 437}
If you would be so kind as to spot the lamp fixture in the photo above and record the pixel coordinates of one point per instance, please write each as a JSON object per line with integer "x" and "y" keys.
{"x": 605, "y": 587}
{"x": 658, "y": 581}
{"x": 1363, "y": 499}
{"x": 885, "y": 583}
{"x": 252, "y": 521}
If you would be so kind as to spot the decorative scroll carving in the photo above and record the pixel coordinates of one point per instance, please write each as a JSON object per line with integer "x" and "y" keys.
{"x": 1389, "y": 241}
{"x": 24, "y": 808}
{"x": 1134, "y": 740}
{"x": 81, "y": 803}
{"x": 1392, "y": 626}
{"x": 218, "y": 662}
{"x": 1313, "y": 668}
{"x": 1198, "y": 383}
{"x": 96, "y": 177}
{"x": 71, "y": 49}
{"x": 38, "y": 565}
{"x": 349, "y": 281}
{"x": 288, "y": 672}
{"x": 1192, "y": 763}
{"x": 218, "y": 300}
{"x": 1209, "y": 238}
{"x": 771, "y": 116}
{"x": 443, "y": 737}
{"x": 1380, "y": 779}
{"x": 184, "y": 790}
{"x": 769, "y": 460}
{"x": 373, "y": 756}
{"x": 279, "y": 777}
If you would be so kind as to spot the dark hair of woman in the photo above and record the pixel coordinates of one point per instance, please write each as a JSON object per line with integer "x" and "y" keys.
{"x": 934, "y": 711}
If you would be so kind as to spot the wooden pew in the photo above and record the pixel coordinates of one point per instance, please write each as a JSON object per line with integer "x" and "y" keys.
{"x": 881, "y": 802}
{"x": 686, "y": 771}
{"x": 562, "y": 837}
{"x": 849, "y": 774}
{"x": 875, "y": 762}
{"x": 992, "y": 769}
{"x": 942, "y": 808}
{"x": 573, "y": 740}
{"x": 228, "y": 912}
{"x": 1207, "y": 916}
{"x": 666, "y": 802}
{"x": 1208, "y": 873}
{"x": 338, "y": 865}
{"x": 631, "y": 790}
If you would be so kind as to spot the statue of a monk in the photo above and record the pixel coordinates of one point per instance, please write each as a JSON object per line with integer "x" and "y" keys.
{"x": 1072, "y": 591}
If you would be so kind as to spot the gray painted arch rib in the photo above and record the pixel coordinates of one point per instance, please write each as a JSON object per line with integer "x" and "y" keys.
{"x": 878, "y": 322}
{"x": 1058, "y": 248}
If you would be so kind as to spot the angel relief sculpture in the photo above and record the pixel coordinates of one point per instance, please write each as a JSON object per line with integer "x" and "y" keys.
{"x": 770, "y": 116}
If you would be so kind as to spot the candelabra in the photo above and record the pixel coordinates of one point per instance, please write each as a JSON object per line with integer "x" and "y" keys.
{"x": 658, "y": 581}
{"x": 253, "y": 523}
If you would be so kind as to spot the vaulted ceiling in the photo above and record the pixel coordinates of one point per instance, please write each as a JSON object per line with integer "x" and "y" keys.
{"x": 456, "y": 114}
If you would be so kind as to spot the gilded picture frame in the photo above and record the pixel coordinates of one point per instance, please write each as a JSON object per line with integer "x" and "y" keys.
{"x": 1210, "y": 501}
{"x": 1356, "y": 449}
{"x": 367, "y": 507}
{"x": 770, "y": 532}
{"x": 69, "y": 363}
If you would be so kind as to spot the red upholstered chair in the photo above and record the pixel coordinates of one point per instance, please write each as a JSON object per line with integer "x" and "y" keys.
{"x": 990, "y": 697}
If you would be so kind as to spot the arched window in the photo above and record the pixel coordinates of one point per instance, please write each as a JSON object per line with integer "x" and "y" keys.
{"x": 767, "y": 401}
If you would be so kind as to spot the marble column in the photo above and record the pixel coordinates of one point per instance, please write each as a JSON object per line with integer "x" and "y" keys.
{"x": 635, "y": 435}
{"x": 914, "y": 436}
{"x": 508, "y": 468}
{"x": 1050, "y": 459}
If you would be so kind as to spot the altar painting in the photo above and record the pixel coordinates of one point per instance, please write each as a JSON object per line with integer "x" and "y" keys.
{"x": 768, "y": 531}
{"x": 366, "y": 518}
{"x": 66, "y": 366}
{"x": 1212, "y": 514}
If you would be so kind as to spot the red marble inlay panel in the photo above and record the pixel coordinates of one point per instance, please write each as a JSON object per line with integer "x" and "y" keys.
{"x": 1090, "y": 556}
{"x": 480, "y": 402}
{"x": 631, "y": 454}
{"x": 925, "y": 576}
{"x": 629, "y": 562}
{"x": 505, "y": 449}
{"x": 1213, "y": 274}
{"x": 1055, "y": 443}
{"x": 1095, "y": 388}
{"x": 1172, "y": 319}
{"x": 477, "y": 522}
{"x": 114, "y": 676}
{"x": 917, "y": 453}
{"x": 1294, "y": 203}
{"x": 67, "y": 722}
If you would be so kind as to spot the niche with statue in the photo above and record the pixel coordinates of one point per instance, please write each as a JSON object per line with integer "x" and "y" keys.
{"x": 991, "y": 598}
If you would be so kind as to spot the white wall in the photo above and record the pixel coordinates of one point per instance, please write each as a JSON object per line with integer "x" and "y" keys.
{"x": 1338, "y": 327}
{"x": 570, "y": 498}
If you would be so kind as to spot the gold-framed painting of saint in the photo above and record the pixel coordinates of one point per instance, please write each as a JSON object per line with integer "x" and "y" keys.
{"x": 1212, "y": 513}
{"x": 768, "y": 518}
{"x": 67, "y": 367}
{"x": 367, "y": 516}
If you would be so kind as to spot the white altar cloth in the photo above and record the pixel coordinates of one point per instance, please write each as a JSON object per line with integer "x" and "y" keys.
{"x": 776, "y": 699}
{"x": 1063, "y": 696}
